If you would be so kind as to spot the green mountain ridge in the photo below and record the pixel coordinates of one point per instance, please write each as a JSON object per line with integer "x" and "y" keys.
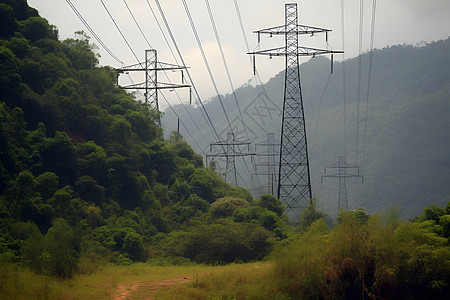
{"x": 406, "y": 145}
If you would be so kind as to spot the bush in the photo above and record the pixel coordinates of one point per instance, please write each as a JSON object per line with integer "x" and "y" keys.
{"x": 61, "y": 250}
{"x": 224, "y": 207}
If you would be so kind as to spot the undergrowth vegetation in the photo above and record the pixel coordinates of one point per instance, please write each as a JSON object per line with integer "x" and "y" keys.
{"x": 361, "y": 257}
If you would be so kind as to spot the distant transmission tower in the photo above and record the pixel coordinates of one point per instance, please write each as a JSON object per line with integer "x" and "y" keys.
{"x": 294, "y": 184}
{"x": 231, "y": 150}
{"x": 151, "y": 67}
{"x": 342, "y": 175}
{"x": 270, "y": 165}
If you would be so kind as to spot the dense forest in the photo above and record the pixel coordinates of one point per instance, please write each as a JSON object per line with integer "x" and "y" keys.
{"x": 84, "y": 167}
{"x": 87, "y": 178}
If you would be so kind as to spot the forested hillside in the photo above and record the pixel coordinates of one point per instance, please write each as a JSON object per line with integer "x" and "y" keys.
{"x": 403, "y": 149}
{"x": 86, "y": 173}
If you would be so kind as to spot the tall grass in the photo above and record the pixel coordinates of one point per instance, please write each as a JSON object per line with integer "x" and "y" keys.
{"x": 235, "y": 281}
{"x": 20, "y": 283}
{"x": 107, "y": 281}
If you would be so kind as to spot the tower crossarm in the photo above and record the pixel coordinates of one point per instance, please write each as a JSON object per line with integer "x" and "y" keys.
{"x": 161, "y": 86}
{"x": 345, "y": 175}
{"x": 302, "y": 51}
{"x": 229, "y": 155}
{"x": 235, "y": 143}
{"x": 342, "y": 166}
{"x": 300, "y": 29}
{"x": 160, "y": 66}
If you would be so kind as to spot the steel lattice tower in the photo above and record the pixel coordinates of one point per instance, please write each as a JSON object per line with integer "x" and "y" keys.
{"x": 294, "y": 184}
{"x": 342, "y": 175}
{"x": 270, "y": 165}
{"x": 151, "y": 79}
{"x": 151, "y": 67}
{"x": 230, "y": 153}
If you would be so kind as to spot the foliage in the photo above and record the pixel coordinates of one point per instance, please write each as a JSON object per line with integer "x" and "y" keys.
{"x": 85, "y": 165}
{"x": 361, "y": 257}
{"x": 223, "y": 241}
{"x": 224, "y": 207}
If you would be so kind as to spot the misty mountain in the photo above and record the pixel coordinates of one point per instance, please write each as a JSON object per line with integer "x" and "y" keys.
{"x": 402, "y": 147}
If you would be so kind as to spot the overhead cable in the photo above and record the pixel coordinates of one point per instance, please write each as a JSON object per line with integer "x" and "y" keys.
{"x": 182, "y": 123}
{"x": 344, "y": 96}
{"x": 358, "y": 96}
{"x": 211, "y": 17}
{"x": 120, "y": 31}
{"x": 372, "y": 34}
{"x": 137, "y": 24}
{"x": 205, "y": 60}
{"x": 187, "y": 70}
{"x": 93, "y": 32}
{"x": 165, "y": 73}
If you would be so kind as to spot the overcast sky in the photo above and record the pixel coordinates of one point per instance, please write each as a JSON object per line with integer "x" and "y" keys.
{"x": 397, "y": 22}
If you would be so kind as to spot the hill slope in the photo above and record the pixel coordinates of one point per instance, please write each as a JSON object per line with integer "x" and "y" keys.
{"x": 85, "y": 172}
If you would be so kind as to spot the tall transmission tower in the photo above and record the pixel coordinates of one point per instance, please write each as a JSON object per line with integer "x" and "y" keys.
{"x": 294, "y": 184}
{"x": 342, "y": 166}
{"x": 231, "y": 150}
{"x": 270, "y": 165}
{"x": 151, "y": 67}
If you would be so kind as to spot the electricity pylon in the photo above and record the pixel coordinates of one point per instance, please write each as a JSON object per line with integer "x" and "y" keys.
{"x": 342, "y": 175}
{"x": 270, "y": 165}
{"x": 230, "y": 153}
{"x": 294, "y": 184}
{"x": 151, "y": 67}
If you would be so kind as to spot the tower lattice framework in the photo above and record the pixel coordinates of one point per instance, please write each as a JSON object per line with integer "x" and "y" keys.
{"x": 151, "y": 85}
{"x": 230, "y": 150}
{"x": 342, "y": 174}
{"x": 294, "y": 183}
{"x": 269, "y": 164}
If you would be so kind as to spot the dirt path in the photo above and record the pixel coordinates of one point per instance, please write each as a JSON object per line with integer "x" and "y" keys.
{"x": 146, "y": 288}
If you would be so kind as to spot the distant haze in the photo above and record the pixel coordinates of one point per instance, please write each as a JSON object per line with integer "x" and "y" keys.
{"x": 397, "y": 22}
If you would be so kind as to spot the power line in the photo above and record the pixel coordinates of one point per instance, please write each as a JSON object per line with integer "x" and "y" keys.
{"x": 182, "y": 123}
{"x": 344, "y": 96}
{"x": 320, "y": 109}
{"x": 205, "y": 60}
{"x": 372, "y": 33}
{"x": 211, "y": 17}
{"x": 361, "y": 24}
{"x": 213, "y": 129}
{"x": 137, "y": 24}
{"x": 244, "y": 36}
{"x": 342, "y": 166}
{"x": 93, "y": 32}
{"x": 162, "y": 31}
{"x": 241, "y": 25}
{"x": 114, "y": 21}
{"x": 165, "y": 73}
{"x": 294, "y": 184}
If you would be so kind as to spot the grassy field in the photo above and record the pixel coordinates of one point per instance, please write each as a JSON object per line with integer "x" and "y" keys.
{"x": 140, "y": 281}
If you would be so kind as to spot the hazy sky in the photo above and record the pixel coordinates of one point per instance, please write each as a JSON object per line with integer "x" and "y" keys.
{"x": 397, "y": 22}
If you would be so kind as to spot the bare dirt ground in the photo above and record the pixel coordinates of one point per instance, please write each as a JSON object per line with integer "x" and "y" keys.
{"x": 146, "y": 288}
